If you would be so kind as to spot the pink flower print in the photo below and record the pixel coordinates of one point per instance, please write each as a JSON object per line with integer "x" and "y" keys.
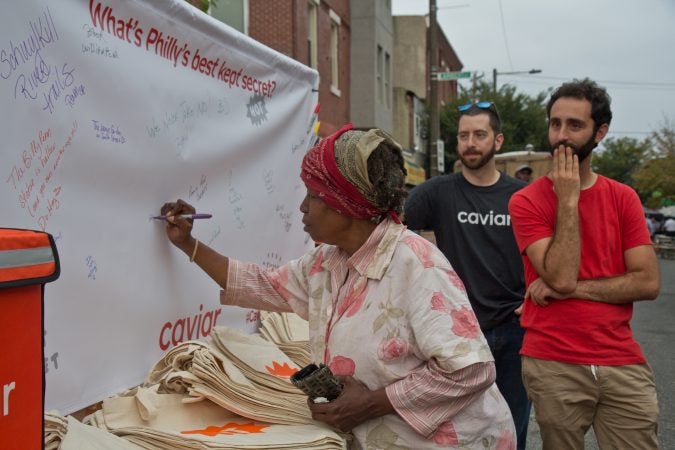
{"x": 279, "y": 279}
{"x": 506, "y": 441}
{"x": 421, "y": 248}
{"x": 342, "y": 366}
{"x": 392, "y": 349}
{"x": 439, "y": 302}
{"x": 353, "y": 301}
{"x": 316, "y": 267}
{"x": 456, "y": 281}
{"x": 464, "y": 323}
{"x": 252, "y": 316}
{"x": 445, "y": 434}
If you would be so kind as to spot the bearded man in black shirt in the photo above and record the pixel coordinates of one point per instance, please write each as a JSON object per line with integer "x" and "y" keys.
{"x": 468, "y": 213}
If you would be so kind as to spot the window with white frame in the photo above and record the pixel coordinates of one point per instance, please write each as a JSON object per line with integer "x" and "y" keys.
{"x": 334, "y": 52}
{"x": 312, "y": 13}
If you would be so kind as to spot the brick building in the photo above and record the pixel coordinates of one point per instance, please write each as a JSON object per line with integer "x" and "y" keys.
{"x": 373, "y": 67}
{"x": 316, "y": 33}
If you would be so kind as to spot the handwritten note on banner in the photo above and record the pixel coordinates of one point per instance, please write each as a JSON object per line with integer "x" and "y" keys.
{"x": 110, "y": 109}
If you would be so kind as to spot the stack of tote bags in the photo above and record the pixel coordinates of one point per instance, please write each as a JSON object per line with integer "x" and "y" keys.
{"x": 231, "y": 392}
{"x": 290, "y": 333}
{"x": 242, "y": 373}
{"x": 155, "y": 421}
{"x": 63, "y": 433}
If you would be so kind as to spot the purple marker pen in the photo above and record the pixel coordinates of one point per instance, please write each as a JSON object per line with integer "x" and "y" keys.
{"x": 186, "y": 216}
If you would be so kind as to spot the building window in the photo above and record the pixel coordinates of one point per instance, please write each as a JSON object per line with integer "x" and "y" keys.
{"x": 234, "y": 14}
{"x": 387, "y": 79}
{"x": 334, "y": 52}
{"x": 312, "y": 12}
{"x": 380, "y": 63}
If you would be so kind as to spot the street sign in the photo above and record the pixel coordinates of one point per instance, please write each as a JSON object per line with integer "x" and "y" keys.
{"x": 447, "y": 76}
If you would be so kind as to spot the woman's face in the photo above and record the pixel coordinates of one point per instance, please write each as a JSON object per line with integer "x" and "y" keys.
{"x": 322, "y": 223}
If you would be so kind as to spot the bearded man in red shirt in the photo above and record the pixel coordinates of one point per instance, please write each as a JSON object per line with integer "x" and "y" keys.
{"x": 587, "y": 257}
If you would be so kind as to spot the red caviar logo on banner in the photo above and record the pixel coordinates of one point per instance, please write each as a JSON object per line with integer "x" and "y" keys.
{"x": 188, "y": 328}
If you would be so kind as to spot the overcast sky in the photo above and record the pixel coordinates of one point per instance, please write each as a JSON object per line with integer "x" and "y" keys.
{"x": 628, "y": 46}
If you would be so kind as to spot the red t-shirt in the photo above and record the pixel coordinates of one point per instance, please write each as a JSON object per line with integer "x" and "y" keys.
{"x": 581, "y": 331}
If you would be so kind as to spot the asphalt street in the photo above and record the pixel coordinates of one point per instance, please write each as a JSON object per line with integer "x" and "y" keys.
{"x": 654, "y": 327}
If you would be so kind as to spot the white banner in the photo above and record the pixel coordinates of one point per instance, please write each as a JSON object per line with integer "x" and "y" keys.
{"x": 110, "y": 109}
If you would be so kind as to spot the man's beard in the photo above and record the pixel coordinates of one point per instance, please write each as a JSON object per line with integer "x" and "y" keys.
{"x": 483, "y": 160}
{"x": 582, "y": 151}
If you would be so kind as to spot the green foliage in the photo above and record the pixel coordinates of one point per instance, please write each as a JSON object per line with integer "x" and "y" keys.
{"x": 523, "y": 118}
{"x": 655, "y": 179}
{"x": 620, "y": 158}
{"x": 647, "y": 165}
{"x": 664, "y": 138}
{"x": 204, "y": 5}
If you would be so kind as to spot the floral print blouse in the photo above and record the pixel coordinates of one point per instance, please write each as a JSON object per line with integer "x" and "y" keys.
{"x": 394, "y": 315}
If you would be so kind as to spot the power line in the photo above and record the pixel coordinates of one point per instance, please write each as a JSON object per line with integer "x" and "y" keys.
{"x": 506, "y": 41}
{"x": 630, "y": 83}
{"x": 647, "y": 86}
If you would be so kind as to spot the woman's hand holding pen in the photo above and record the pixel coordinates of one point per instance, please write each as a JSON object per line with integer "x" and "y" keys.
{"x": 179, "y": 216}
{"x": 178, "y": 229}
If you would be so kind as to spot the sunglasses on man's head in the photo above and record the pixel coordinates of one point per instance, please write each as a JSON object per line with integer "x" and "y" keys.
{"x": 482, "y": 105}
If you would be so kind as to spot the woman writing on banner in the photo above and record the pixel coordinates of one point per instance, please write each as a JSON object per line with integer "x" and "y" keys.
{"x": 386, "y": 311}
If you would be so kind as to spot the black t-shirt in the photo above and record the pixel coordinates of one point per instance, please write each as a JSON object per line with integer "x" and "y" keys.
{"x": 473, "y": 229}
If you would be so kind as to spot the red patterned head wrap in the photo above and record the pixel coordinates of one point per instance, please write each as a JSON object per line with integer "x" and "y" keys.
{"x": 321, "y": 174}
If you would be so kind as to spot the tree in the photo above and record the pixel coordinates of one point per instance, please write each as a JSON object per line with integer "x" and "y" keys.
{"x": 655, "y": 180}
{"x": 204, "y": 5}
{"x": 620, "y": 158}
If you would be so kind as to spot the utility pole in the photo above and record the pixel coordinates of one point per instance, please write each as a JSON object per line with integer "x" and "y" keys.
{"x": 474, "y": 81}
{"x": 494, "y": 80}
{"x": 434, "y": 120}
